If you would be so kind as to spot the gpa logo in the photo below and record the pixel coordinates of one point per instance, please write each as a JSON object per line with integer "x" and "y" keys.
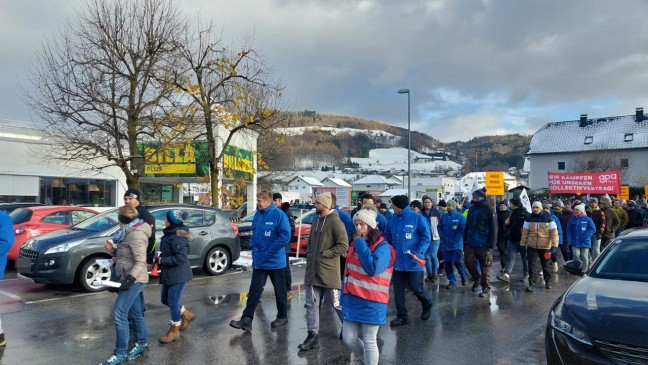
{"x": 605, "y": 178}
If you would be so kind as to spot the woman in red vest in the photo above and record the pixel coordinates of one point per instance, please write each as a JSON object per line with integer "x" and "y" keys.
{"x": 365, "y": 294}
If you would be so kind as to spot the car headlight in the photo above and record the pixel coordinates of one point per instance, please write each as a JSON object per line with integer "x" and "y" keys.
{"x": 571, "y": 331}
{"x": 63, "y": 247}
{"x": 28, "y": 245}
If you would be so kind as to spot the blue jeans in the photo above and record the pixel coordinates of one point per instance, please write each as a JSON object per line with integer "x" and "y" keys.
{"x": 512, "y": 249}
{"x": 128, "y": 304}
{"x": 454, "y": 257}
{"x": 414, "y": 281}
{"x": 259, "y": 278}
{"x": 361, "y": 339}
{"x": 170, "y": 296}
{"x": 431, "y": 259}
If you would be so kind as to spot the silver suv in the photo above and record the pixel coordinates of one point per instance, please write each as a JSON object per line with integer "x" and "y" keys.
{"x": 69, "y": 256}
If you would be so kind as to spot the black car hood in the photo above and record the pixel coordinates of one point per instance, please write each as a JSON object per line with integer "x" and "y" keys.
{"x": 246, "y": 226}
{"x": 61, "y": 236}
{"x": 613, "y": 310}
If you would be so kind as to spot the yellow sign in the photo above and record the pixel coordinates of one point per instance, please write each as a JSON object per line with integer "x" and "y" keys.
{"x": 625, "y": 192}
{"x": 170, "y": 168}
{"x": 646, "y": 191}
{"x": 495, "y": 183}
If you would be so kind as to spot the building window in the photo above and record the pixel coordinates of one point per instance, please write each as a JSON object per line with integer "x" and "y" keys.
{"x": 561, "y": 166}
{"x": 628, "y": 137}
{"x": 591, "y": 164}
{"x": 625, "y": 163}
{"x": 589, "y": 139}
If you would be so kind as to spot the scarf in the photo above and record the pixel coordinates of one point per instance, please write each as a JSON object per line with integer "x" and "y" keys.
{"x": 121, "y": 232}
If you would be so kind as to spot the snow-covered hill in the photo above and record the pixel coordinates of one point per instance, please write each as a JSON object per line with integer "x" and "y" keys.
{"x": 393, "y": 159}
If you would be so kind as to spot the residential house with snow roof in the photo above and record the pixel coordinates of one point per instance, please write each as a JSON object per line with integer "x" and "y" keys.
{"x": 374, "y": 184}
{"x": 591, "y": 144}
{"x": 342, "y": 190}
{"x": 305, "y": 187}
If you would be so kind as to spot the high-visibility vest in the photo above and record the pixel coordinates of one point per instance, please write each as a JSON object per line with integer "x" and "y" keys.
{"x": 360, "y": 284}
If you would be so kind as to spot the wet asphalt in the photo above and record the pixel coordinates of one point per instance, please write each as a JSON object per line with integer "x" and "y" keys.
{"x": 506, "y": 328}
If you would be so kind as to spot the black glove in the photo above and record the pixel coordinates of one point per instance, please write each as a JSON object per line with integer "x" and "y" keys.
{"x": 127, "y": 282}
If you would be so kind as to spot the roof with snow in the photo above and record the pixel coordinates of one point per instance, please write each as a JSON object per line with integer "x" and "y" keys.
{"x": 338, "y": 182}
{"x": 374, "y": 179}
{"x": 394, "y": 192}
{"x": 309, "y": 180}
{"x": 613, "y": 133}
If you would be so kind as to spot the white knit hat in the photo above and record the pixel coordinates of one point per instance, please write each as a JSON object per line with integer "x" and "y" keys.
{"x": 580, "y": 208}
{"x": 367, "y": 216}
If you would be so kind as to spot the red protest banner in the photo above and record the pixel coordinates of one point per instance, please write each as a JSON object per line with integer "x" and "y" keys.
{"x": 607, "y": 182}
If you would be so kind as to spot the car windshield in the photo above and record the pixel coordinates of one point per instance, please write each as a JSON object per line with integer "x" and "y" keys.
{"x": 99, "y": 222}
{"x": 307, "y": 218}
{"x": 625, "y": 260}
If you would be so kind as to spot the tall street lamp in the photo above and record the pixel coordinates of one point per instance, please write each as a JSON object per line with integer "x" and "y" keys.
{"x": 409, "y": 145}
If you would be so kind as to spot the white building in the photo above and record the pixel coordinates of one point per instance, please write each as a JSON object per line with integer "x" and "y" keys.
{"x": 375, "y": 184}
{"x": 565, "y": 146}
{"x": 304, "y": 186}
{"x": 437, "y": 188}
{"x": 342, "y": 190}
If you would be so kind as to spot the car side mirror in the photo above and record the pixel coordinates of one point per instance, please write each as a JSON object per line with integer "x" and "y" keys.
{"x": 574, "y": 267}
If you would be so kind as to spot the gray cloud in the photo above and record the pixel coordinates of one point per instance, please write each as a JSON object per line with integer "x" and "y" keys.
{"x": 473, "y": 67}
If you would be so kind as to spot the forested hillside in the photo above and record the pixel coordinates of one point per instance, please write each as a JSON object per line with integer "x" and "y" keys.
{"x": 315, "y": 148}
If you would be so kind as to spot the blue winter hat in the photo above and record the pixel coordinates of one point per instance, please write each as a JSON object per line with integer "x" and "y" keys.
{"x": 176, "y": 217}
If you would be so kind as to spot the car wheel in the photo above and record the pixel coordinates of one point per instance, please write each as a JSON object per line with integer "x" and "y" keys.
{"x": 90, "y": 272}
{"x": 217, "y": 261}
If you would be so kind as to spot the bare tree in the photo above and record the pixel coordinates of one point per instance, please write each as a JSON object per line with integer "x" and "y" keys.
{"x": 604, "y": 159}
{"x": 99, "y": 86}
{"x": 230, "y": 91}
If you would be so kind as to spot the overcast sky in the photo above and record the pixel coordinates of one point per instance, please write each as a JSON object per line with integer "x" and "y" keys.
{"x": 473, "y": 67}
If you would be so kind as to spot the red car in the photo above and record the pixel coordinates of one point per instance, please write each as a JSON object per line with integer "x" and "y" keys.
{"x": 303, "y": 224}
{"x": 35, "y": 221}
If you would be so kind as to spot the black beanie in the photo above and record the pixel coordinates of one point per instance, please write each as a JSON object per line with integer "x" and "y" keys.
{"x": 417, "y": 204}
{"x": 479, "y": 195}
{"x": 133, "y": 193}
{"x": 442, "y": 203}
{"x": 400, "y": 201}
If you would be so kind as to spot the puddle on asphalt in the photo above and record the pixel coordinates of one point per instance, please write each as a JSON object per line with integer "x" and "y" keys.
{"x": 298, "y": 293}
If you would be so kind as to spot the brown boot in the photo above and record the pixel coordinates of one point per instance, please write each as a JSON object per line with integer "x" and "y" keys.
{"x": 172, "y": 335}
{"x": 186, "y": 318}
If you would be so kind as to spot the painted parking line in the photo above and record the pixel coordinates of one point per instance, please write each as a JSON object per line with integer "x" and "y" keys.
{"x": 10, "y": 295}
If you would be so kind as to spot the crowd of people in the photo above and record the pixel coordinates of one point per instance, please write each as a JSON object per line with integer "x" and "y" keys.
{"x": 352, "y": 260}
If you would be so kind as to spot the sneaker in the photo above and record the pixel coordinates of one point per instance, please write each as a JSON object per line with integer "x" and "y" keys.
{"x": 450, "y": 286}
{"x": 137, "y": 351}
{"x": 475, "y": 287}
{"x": 547, "y": 285}
{"x": 485, "y": 292}
{"x": 115, "y": 360}
{"x": 3, "y": 342}
{"x": 244, "y": 324}
{"x": 504, "y": 277}
{"x": 398, "y": 322}
{"x": 525, "y": 279}
{"x": 425, "y": 315}
{"x": 463, "y": 281}
{"x": 311, "y": 342}
{"x": 530, "y": 288}
{"x": 555, "y": 266}
{"x": 279, "y": 322}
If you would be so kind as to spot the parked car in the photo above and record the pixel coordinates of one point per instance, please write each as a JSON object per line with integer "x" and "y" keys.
{"x": 303, "y": 225}
{"x": 245, "y": 230}
{"x": 38, "y": 220}
{"x": 70, "y": 255}
{"x": 602, "y": 318}
{"x": 10, "y": 207}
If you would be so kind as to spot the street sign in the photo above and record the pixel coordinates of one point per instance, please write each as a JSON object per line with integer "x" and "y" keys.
{"x": 495, "y": 183}
{"x": 625, "y": 192}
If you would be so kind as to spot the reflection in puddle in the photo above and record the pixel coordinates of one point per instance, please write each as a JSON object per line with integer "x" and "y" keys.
{"x": 298, "y": 293}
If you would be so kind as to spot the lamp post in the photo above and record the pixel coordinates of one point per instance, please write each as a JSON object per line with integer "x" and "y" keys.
{"x": 409, "y": 145}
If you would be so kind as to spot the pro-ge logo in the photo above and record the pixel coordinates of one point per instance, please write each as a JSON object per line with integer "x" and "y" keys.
{"x": 605, "y": 178}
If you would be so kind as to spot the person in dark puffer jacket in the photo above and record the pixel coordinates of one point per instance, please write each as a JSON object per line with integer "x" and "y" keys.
{"x": 176, "y": 271}
{"x": 479, "y": 241}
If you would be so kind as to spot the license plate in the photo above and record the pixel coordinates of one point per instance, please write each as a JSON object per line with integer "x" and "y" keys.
{"x": 23, "y": 264}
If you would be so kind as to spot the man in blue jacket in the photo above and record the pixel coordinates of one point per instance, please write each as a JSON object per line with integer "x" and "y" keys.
{"x": 7, "y": 239}
{"x": 409, "y": 234}
{"x": 270, "y": 234}
{"x": 451, "y": 230}
{"x": 479, "y": 241}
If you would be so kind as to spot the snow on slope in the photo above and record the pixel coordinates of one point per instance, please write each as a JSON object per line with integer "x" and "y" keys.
{"x": 294, "y": 131}
{"x": 386, "y": 159}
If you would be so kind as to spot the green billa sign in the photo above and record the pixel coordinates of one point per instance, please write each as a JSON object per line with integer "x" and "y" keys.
{"x": 238, "y": 164}
{"x": 175, "y": 160}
